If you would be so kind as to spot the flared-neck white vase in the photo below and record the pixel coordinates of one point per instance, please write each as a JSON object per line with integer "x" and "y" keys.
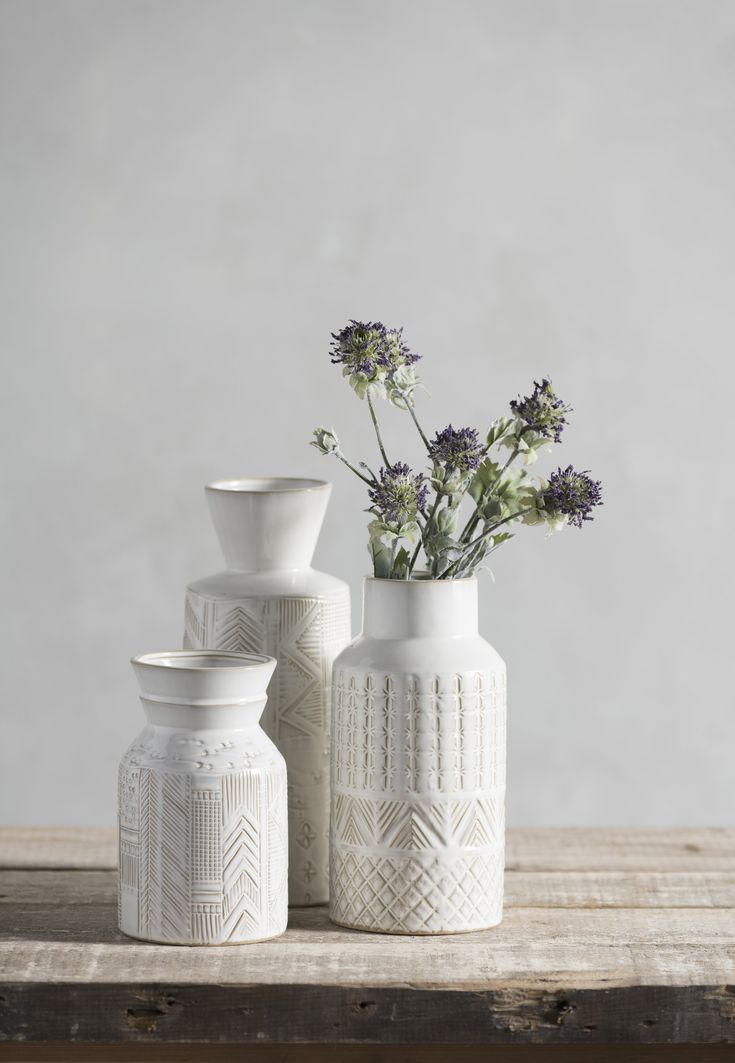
{"x": 202, "y": 805}
{"x": 418, "y": 770}
{"x": 270, "y": 600}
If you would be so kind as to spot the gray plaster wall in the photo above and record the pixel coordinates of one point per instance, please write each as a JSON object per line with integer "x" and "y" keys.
{"x": 194, "y": 194}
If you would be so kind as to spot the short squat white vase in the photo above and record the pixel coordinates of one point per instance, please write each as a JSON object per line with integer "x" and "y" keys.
{"x": 270, "y": 600}
{"x": 202, "y": 805}
{"x": 418, "y": 783}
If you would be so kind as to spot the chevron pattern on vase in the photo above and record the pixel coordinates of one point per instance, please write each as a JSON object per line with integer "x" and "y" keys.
{"x": 202, "y": 862}
{"x": 245, "y": 900}
{"x": 305, "y": 635}
{"x": 472, "y": 823}
{"x": 240, "y": 629}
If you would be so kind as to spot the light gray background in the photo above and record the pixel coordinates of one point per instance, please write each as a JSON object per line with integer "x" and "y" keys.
{"x": 194, "y": 194}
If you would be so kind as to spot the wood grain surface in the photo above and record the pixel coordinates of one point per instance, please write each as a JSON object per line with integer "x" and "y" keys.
{"x": 610, "y": 938}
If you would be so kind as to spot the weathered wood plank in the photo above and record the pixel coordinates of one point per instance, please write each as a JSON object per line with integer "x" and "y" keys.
{"x": 620, "y": 849}
{"x": 583, "y": 947}
{"x": 401, "y": 1014}
{"x": 528, "y": 848}
{"x": 523, "y": 889}
{"x": 58, "y": 847}
{"x": 61, "y": 1052}
{"x": 623, "y": 937}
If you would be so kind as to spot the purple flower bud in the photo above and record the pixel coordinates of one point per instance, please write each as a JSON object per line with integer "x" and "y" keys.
{"x": 399, "y": 495}
{"x": 572, "y": 493}
{"x": 371, "y": 349}
{"x": 457, "y": 448}
{"x": 542, "y": 412}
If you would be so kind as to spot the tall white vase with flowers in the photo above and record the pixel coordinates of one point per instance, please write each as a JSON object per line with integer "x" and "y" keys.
{"x": 418, "y": 699}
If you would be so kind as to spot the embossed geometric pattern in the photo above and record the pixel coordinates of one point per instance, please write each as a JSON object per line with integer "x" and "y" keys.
{"x": 305, "y": 635}
{"x": 409, "y": 895}
{"x": 417, "y": 815}
{"x": 445, "y": 735}
{"x": 204, "y": 863}
{"x": 238, "y": 629}
{"x": 472, "y": 823}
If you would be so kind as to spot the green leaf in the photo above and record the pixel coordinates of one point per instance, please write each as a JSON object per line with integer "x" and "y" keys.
{"x": 502, "y": 537}
{"x": 498, "y": 429}
{"x": 381, "y": 555}
{"x": 400, "y": 564}
{"x": 446, "y": 520}
{"x": 485, "y": 475}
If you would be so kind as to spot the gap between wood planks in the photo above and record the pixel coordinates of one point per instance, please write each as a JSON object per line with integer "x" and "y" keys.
{"x": 60, "y": 1052}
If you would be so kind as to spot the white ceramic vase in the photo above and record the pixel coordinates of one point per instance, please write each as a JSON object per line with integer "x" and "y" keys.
{"x": 418, "y": 771}
{"x": 202, "y": 805}
{"x": 270, "y": 600}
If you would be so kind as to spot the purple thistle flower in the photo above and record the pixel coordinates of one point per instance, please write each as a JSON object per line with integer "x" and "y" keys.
{"x": 368, "y": 347}
{"x": 399, "y": 495}
{"x": 457, "y": 448}
{"x": 542, "y": 412}
{"x": 399, "y": 353}
{"x": 574, "y": 494}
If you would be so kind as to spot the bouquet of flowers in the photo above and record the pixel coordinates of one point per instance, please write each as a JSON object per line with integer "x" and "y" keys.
{"x": 421, "y": 511}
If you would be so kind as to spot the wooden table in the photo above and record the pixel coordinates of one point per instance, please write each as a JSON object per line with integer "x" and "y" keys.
{"x": 618, "y": 938}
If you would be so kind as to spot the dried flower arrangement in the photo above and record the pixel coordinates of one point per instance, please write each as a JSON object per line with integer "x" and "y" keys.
{"x": 415, "y": 511}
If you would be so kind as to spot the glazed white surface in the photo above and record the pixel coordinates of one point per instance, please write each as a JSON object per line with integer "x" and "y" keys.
{"x": 418, "y": 767}
{"x": 299, "y": 616}
{"x": 202, "y": 806}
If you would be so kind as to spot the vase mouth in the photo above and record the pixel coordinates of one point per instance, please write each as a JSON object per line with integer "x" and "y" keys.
{"x": 202, "y": 660}
{"x": 202, "y": 680}
{"x": 260, "y": 485}
{"x": 422, "y": 580}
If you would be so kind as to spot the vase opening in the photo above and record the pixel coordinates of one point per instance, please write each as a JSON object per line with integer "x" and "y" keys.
{"x": 268, "y": 524}
{"x": 213, "y": 683}
{"x": 424, "y": 577}
{"x": 268, "y": 485}
{"x": 185, "y": 659}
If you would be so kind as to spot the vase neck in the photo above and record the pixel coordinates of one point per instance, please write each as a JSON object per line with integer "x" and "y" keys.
{"x": 268, "y": 525}
{"x": 201, "y": 690}
{"x": 405, "y": 609}
{"x": 200, "y": 717}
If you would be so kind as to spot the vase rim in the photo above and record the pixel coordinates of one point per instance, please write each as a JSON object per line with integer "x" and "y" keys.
{"x": 422, "y": 581}
{"x": 191, "y": 660}
{"x": 262, "y": 485}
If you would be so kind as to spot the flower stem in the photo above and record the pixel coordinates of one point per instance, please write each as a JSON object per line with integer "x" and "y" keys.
{"x": 480, "y": 538}
{"x": 415, "y": 556}
{"x": 420, "y": 543}
{"x": 409, "y": 406}
{"x": 377, "y": 430}
{"x": 352, "y": 468}
{"x": 474, "y": 519}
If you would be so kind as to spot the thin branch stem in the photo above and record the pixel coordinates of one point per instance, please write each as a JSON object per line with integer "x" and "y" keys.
{"x": 480, "y": 538}
{"x": 352, "y": 468}
{"x": 409, "y": 406}
{"x": 415, "y": 556}
{"x": 499, "y": 524}
{"x": 377, "y": 430}
{"x": 420, "y": 543}
{"x": 474, "y": 519}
